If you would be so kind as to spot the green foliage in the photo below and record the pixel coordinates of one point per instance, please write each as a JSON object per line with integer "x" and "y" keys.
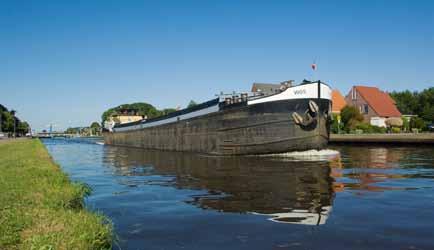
{"x": 95, "y": 128}
{"x": 95, "y": 125}
{"x": 191, "y": 104}
{"x": 417, "y": 122}
{"x": 23, "y": 128}
{"x": 370, "y": 129}
{"x": 416, "y": 103}
{"x": 7, "y": 120}
{"x": 141, "y": 108}
{"x": 335, "y": 126}
{"x": 168, "y": 111}
{"x": 405, "y": 124}
{"x": 40, "y": 208}
{"x": 396, "y": 130}
{"x": 73, "y": 130}
{"x": 350, "y": 117}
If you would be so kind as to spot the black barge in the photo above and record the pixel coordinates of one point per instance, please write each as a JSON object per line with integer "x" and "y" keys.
{"x": 295, "y": 118}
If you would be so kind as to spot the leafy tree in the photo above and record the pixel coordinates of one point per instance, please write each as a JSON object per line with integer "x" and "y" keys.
{"x": 191, "y": 104}
{"x": 7, "y": 122}
{"x": 168, "y": 111}
{"x": 95, "y": 128}
{"x": 3, "y": 108}
{"x": 95, "y": 125}
{"x": 426, "y": 102}
{"x": 350, "y": 117}
{"x": 23, "y": 128}
{"x": 416, "y": 103}
{"x": 141, "y": 108}
{"x": 406, "y": 101}
{"x": 73, "y": 131}
{"x": 417, "y": 122}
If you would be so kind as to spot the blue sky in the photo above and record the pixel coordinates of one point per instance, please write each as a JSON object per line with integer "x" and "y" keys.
{"x": 65, "y": 62}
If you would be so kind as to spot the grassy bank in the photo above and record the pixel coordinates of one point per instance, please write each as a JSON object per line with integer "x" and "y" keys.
{"x": 40, "y": 208}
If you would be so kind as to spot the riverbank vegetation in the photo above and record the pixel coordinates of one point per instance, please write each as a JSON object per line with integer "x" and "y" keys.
{"x": 40, "y": 208}
{"x": 93, "y": 130}
{"x": 352, "y": 122}
{"x": 139, "y": 108}
{"x": 143, "y": 109}
{"x": 7, "y": 120}
{"x": 420, "y": 104}
{"x": 417, "y": 106}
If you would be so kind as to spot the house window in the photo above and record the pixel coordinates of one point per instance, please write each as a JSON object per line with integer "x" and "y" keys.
{"x": 354, "y": 94}
{"x": 365, "y": 108}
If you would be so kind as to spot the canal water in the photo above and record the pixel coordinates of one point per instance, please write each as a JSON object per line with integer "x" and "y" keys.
{"x": 349, "y": 197}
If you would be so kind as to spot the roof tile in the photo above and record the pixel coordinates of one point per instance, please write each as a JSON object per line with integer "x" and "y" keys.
{"x": 338, "y": 101}
{"x": 380, "y": 101}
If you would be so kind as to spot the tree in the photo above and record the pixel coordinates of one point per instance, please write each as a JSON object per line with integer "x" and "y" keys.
{"x": 95, "y": 125}
{"x": 406, "y": 101}
{"x": 350, "y": 117}
{"x": 417, "y": 122}
{"x": 23, "y": 128}
{"x": 426, "y": 103}
{"x": 168, "y": 111}
{"x": 191, "y": 104}
{"x": 7, "y": 122}
{"x": 95, "y": 128}
{"x": 141, "y": 108}
{"x": 416, "y": 103}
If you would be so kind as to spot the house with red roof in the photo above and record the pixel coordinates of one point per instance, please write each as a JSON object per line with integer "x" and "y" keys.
{"x": 375, "y": 105}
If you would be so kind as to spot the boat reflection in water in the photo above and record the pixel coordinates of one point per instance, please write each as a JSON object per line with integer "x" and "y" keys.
{"x": 298, "y": 192}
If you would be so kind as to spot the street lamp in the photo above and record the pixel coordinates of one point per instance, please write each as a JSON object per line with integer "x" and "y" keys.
{"x": 13, "y": 112}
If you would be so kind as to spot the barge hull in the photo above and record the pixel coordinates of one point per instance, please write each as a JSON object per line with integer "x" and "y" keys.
{"x": 250, "y": 129}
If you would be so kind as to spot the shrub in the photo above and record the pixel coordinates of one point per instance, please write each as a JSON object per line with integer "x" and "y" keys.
{"x": 350, "y": 117}
{"x": 417, "y": 122}
{"x": 405, "y": 124}
{"x": 396, "y": 130}
{"x": 336, "y": 127}
{"x": 368, "y": 128}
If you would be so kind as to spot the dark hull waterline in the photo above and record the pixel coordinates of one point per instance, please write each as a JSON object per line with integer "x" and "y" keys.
{"x": 261, "y": 128}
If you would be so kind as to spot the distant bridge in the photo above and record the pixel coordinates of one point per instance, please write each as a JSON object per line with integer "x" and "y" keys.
{"x": 54, "y": 134}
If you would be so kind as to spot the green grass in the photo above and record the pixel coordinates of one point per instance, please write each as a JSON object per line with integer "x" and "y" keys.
{"x": 40, "y": 208}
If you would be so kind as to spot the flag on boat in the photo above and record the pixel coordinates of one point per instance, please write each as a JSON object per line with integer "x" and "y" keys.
{"x": 313, "y": 65}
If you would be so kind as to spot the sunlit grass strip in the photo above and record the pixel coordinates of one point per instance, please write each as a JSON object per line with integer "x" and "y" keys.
{"x": 40, "y": 208}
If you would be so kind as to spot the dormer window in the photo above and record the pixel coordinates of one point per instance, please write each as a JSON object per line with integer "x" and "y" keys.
{"x": 354, "y": 94}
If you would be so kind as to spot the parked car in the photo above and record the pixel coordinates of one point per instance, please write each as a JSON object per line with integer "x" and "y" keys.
{"x": 3, "y": 136}
{"x": 431, "y": 127}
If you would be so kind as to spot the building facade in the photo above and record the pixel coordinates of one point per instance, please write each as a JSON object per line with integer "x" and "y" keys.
{"x": 375, "y": 105}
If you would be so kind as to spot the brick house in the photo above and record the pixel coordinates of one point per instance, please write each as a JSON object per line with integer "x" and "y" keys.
{"x": 375, "y": 105}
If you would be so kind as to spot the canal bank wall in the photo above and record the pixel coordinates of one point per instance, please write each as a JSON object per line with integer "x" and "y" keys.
{"x": 40, "y": 208}
{"x": 408, "y": 138}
